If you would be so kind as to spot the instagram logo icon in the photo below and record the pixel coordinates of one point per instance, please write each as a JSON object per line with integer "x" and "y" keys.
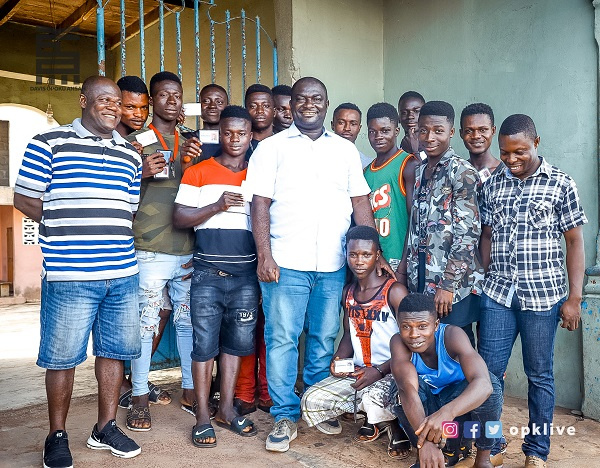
{"x": 450, "y": 429}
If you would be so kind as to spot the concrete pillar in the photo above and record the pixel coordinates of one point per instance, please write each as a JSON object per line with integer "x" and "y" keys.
{"x": 590, "y": 317}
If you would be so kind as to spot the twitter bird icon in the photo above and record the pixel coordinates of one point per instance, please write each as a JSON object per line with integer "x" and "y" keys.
{"x": 493, "y": 429}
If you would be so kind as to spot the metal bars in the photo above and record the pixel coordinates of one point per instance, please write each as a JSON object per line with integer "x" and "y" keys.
{"x": 229, "y": 55}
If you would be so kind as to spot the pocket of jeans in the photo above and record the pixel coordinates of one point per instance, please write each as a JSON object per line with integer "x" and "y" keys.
{"x": 144, "y": 256}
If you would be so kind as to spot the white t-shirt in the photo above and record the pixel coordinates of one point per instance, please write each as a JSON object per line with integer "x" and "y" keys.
{"x": 310, "y": 184}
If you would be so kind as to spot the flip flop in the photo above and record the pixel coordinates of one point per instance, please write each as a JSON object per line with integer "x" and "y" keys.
{"x": 399, "y": 446}
{"x": 369, "y": 432}
{"x": 237, "y": 426}
{"x": 137, "y": 412}
{"x": 155, "y": 393}
{"x": 203, "y": 431}
{"x": 194, "y": 407}
{"x": 125, "y": 399}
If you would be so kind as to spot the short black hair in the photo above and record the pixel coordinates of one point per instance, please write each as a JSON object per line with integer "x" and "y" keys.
{"x": 382, "y": 110}
{"x": 235, "y": 112}
{"x": 417, "y": 302}
{"x": 518, "y": 123}
{"x": 477, "y": 108}
{"x": 282, "y": 90}
{"x": 349, "y": 106}
{"x": 163, "y": 76}
{"x": 257, "y": 88}
{"x": 438, "y": 108}
{"x": 216, "y": 86}
{"x": 309, "y": 78}
{"x": 133, "y": 84}
{"x": 362, "y": 232}
{"x": 411, "y": 94}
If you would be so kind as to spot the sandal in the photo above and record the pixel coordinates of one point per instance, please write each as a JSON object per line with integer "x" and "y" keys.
{"x": 158, "y": 396}
{"x": 237, "y": 426}
{"x": 125, "y": 399}
{"x": 399, "y": 445}
{"x": 138, "y": 412}
{"x": 202, "y": 432}
{"x": 194, "y": 407}
{"x": 369, "y": 432}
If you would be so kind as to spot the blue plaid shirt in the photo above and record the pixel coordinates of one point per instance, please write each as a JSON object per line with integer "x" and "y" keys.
{"x": 528, "y": 218}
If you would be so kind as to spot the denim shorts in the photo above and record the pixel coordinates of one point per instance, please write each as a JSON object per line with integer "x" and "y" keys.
{"x": 71, "y": 309}
{"x": 224, "y": 309}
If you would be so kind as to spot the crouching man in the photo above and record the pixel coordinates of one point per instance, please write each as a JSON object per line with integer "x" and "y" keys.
{"x": 369, "y": 303}
{"x": 440, "y": 377}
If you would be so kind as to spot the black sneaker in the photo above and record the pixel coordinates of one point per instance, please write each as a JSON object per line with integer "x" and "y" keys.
{"x": 56, "y": 451}
{"x": 114, "y": 439}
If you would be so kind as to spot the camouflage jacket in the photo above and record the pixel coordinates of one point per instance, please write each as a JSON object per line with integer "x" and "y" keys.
{"x": 453, "y": 229}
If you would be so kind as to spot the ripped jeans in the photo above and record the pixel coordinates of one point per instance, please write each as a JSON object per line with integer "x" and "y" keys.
{"x": 158, "y": 270}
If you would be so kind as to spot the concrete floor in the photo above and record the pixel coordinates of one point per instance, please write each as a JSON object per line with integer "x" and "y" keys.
{"x": 23, "y": 423}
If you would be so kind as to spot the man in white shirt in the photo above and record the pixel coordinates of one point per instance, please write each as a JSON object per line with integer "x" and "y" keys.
{"x": 306, "y": 182}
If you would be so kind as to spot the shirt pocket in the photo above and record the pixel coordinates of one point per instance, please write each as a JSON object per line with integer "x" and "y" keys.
{"x": 540, "y": 214}
{"x": 500, "y": 217}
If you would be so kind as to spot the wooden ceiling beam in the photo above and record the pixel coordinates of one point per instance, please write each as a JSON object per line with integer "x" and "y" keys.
{"x": 76, "y": 18}
{"x": 8, "y": 10}
{"x": 134, "y": 28}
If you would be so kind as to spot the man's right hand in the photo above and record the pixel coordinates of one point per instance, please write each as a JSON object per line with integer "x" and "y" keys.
{"x": 191, "y": 148}
{"x": 229, "y": 199}
{"x": 153, "y": 164}
{"x": 267, "y": 270}
{"x": 413, "y": 138}
{"x": 430, "y": 456}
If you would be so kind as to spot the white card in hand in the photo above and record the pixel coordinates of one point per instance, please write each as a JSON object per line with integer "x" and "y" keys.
{"x": 146, "y": 138}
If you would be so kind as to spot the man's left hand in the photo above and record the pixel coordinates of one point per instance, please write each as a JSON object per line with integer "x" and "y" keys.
{"x": 431, "y": 427}
{"x": 382, "y": 265}
{"x": 365, "y": 376}
{"x": 570, "y": 313}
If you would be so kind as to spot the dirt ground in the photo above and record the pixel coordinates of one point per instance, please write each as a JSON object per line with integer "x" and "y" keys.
{"x": 23, "y": 423}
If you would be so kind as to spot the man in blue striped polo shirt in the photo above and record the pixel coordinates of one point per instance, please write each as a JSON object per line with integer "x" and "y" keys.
{"x": 81, "y": 182}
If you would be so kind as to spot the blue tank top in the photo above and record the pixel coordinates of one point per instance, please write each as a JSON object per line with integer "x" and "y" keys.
{"x": 448, "y": 371}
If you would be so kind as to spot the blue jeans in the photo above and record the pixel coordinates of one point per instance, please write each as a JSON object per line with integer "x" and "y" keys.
{"x": 499, "y": 327}
{"x": 489, "y": 410}
{"x": 157, "y": 271}
{"x": 71, "y": 309}
{"x": 299, "y": 297}
{"x": 224, "y": 312}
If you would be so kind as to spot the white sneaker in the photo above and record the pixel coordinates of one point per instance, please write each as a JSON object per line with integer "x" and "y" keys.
{"x": 283, "y": 432}
{"x": 330, "y": 427}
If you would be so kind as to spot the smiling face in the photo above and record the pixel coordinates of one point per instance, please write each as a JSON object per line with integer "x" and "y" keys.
{"x": 477, "y": 133}
{"x": 346, "y": 123}
{"x": 362, "y": 255}
{"x": 261, "y": 109}
{"x": 283, "y": 112}
{"x": 519, "y": 153}
{"x": 235, "y": 135}
{"x": 382, "y": 134}
{"x": 134, "y": 110}
{"x": 101, "y": 107}
{"x": 212, "y": 103}
{"x": 408, "y": 110}
{"x": 417, "y": 330}
{"x": 167, "y": 100}
{"x": 309, "y": 105}
{"x": 435, "y": 132}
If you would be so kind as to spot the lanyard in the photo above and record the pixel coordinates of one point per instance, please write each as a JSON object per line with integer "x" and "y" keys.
{"x": 164, "y": 145}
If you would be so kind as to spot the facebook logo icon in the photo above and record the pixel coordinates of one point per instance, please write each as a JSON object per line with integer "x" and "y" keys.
{"x": 472, "y": 429}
